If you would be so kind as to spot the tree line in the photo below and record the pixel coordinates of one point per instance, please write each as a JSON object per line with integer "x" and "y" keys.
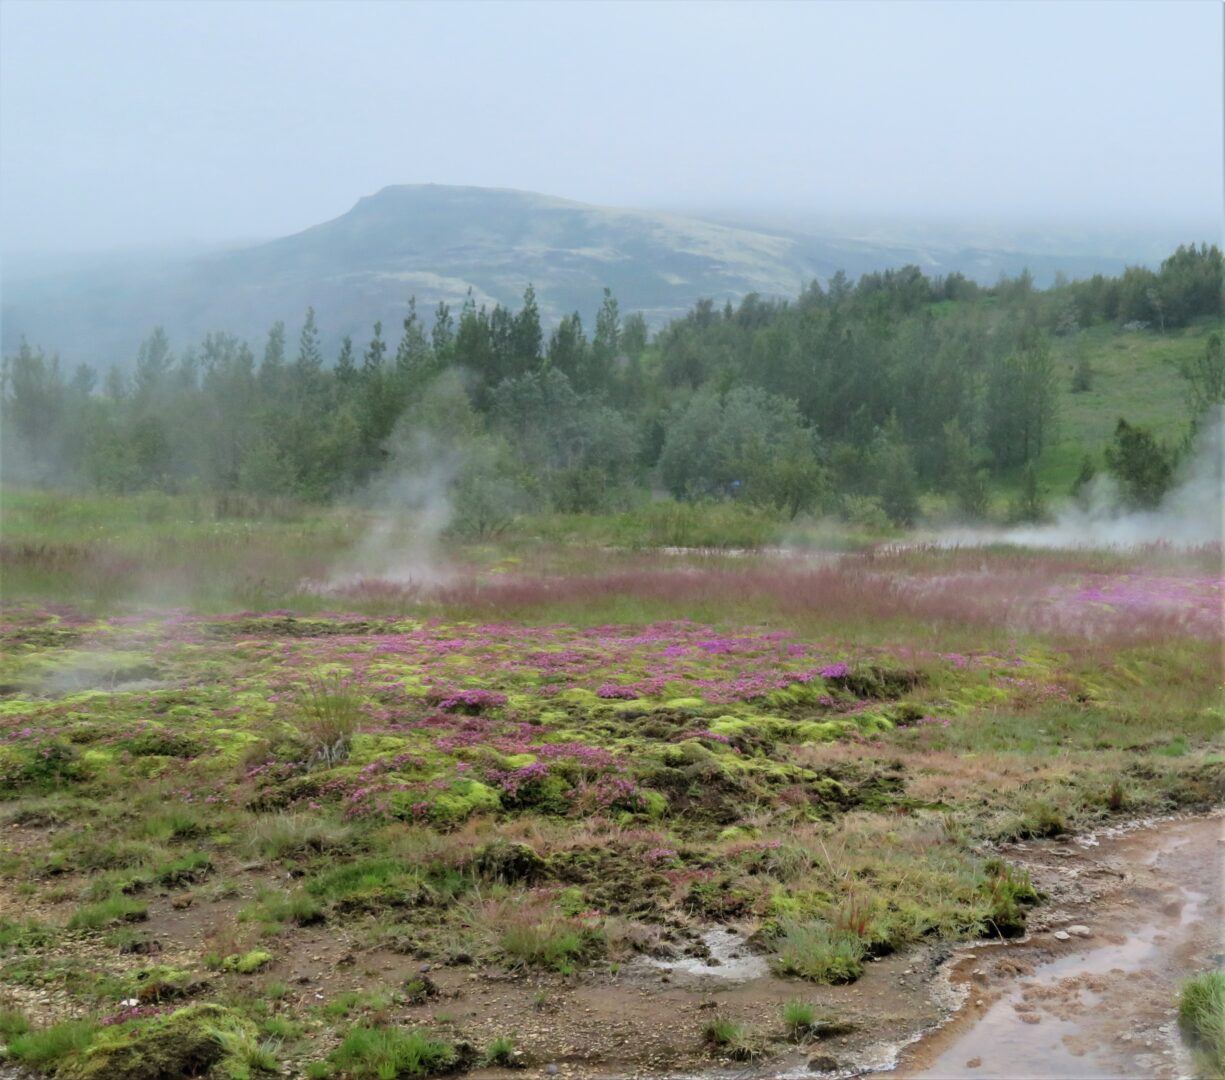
{"x": 854, "y": 397}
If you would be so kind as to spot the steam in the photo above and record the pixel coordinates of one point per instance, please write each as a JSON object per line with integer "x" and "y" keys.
{"x": 1190, "y": 514}
{"x": 410, "y": 509}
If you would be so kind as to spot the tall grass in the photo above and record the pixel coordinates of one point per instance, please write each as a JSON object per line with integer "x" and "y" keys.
{"x": 1201, "y": 1015}
{"x": 329, "y": 710}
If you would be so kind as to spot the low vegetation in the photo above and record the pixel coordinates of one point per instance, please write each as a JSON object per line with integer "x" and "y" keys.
{"x": 1201, "y": 1014}
{"x": 533, "y": 773}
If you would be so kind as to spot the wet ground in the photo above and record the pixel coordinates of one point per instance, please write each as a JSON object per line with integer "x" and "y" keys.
{"x": 1090, "y": 992}
{"x": 1067, "y": 1004}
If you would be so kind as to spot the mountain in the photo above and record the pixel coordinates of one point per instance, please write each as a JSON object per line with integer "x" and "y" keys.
{"x": 437, "y": 243}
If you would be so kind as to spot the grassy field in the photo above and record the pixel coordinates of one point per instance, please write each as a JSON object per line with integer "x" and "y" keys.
{"x": 1135, "y": 376}
{"x": 260, "y": 817}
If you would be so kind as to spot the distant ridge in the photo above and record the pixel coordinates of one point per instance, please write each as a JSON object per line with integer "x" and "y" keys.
{"x": 437, "y": 242}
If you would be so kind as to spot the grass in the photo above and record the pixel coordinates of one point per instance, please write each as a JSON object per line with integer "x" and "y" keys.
{"x": 798, "y": 1018}
{"x": 500, "y": 1051}
{"x": 1201, "y": 1015}
{"x": 45, "y": 1049}
{"x": 731, "y": 1039}
{"x": 109, "y": 912}
{"x": 817, "y": 952}
{"x": 387, "y": 1053}
{"x": 539, "y": 769}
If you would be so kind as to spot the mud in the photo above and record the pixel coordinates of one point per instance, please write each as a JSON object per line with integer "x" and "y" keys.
{"x": 1099, "y": 1006}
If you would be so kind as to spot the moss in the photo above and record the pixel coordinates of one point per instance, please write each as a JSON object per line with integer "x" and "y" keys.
{"x": 459, "y": 802}
{"x": 199, "y": 1040}
{"x": 685, "y": 703}
{"x": 247, "y": 963}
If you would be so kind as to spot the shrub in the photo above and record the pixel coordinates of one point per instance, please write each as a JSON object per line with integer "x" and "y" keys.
{"x": 816, "y": 951}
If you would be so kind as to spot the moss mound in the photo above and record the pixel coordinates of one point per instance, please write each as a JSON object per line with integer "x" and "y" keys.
{"x": 200, "y": 1041}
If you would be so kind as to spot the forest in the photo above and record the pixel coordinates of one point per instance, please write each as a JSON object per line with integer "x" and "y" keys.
{"x": 853, "y": 400}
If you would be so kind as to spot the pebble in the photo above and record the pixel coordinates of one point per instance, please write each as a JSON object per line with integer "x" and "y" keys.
{"x": 1062, "y": 935}
{"x": 550, "y": 1069}
{"x": 1080, "y": 931}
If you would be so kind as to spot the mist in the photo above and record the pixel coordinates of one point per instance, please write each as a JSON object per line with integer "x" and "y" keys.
{"x": 130, "y": 125}
{"x": 1192, "y": 513}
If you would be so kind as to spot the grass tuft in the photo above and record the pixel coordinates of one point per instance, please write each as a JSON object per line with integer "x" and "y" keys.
{"x": 1201, "y": 1015}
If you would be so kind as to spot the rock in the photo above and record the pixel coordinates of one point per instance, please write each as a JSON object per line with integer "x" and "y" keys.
{"x": 1062, "y": 935}
{"x": 550, "y": 1069}
{"x": 1080, "y": 931}
{"x": 974, "y": 1063}
{"x": 179, "y": 903}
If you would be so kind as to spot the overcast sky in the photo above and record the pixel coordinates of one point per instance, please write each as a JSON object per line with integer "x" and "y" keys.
{"x": 157, "y": 122}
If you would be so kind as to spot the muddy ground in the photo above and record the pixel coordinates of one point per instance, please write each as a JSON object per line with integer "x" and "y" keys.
{"x": 1089, "y": 992}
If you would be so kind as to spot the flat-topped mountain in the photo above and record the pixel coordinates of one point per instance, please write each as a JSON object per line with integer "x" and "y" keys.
{"x": 438, "y": 242}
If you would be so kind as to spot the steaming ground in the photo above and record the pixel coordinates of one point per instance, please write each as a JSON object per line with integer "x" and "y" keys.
{"x": 1190, "y": 515}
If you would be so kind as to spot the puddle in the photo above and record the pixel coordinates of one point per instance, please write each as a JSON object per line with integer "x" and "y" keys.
{"x": 730, "y": 959}
{"x": 1104, "y": 1007}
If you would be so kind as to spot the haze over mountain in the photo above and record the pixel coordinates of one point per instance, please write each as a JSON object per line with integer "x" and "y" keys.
{"x": 440, "y": 242}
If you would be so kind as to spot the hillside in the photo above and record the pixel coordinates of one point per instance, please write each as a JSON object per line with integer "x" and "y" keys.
{"x": 437, "y": 243}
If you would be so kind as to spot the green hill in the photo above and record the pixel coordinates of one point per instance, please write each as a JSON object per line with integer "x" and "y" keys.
{"x": 1135, "y": 376}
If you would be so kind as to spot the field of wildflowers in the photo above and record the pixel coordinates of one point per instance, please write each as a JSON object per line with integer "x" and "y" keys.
{"x": 546, "y": 769}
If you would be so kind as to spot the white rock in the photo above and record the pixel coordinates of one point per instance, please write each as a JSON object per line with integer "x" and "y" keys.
{"x": 1080, "y": 931}
{"x": 1062, "y": 935}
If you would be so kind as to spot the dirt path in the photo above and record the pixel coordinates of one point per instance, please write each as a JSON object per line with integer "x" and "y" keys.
{"x": 1096, "y": 1006}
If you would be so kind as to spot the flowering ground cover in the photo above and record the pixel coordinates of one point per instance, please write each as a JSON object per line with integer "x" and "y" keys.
{"x": 304, "y": 829}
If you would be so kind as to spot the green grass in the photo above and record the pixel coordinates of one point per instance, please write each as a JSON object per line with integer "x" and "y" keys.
{"x": 110, "y": 912}
{"x": 1201, "y": 1015}
{"x": 1135, "y": 376}
{"x": 817, "y": 952}
{"x": 798, "y": 1018}
{"x": 45, "y": 1049}
{"x": 389, "y": 1053}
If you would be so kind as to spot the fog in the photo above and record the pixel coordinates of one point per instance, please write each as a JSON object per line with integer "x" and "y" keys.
{"x": 1191, "y": 513}
{"x": 137, "y": 125}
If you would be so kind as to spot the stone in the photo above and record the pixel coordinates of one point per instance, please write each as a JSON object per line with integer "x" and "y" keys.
{"x": 1080, "y": 931}
{"x": 1062, "y": 935}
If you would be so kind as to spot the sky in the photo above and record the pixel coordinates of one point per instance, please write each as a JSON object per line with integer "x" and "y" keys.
{"x": 158, "y": 123}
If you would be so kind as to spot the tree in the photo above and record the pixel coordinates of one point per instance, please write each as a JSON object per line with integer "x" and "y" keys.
{"x": 527, "y": 335}
{"x": 372, "y": 359}
{"x": 272, "y": 367}
{"x": 1030, "y": 505}
{"x": 346, "y": 369}
{"x": 1021, "y": 402}
{"x": 1205, "y": 375}
{"x": 442, "y": 336}
{"x": 1143, "y": 467}
{"x": 309, "y": 363}
{"x": 897, "y": 482}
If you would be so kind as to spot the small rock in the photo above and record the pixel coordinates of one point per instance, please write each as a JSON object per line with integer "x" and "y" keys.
{"x": 550, "y": 1069}
{"x": 1080, "y": 931}
{"x": 974, "y": 1063}
{"x": 1062, "y": 935}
